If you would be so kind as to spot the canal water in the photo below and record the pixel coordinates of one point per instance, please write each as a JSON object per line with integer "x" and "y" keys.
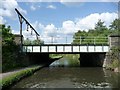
{"x": 70, "y": 77}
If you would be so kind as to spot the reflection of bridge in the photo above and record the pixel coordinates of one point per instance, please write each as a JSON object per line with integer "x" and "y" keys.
{"x": 65, "y": 48}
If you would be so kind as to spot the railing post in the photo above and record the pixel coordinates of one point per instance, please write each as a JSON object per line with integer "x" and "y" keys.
{"x": 87, "y": 48}
{"x": 80, "y": 39}
{"x": 94, "y": 48}
{"x": 94, "y": 41}
{"x": 108, "y": 40}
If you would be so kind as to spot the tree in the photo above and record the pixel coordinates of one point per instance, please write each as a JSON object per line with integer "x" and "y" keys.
{"x": 10, "y": 51}
{"x": 100, "y": 27}
{"x": 115, "y": 27}
{"x": 115, "y": 24}
{"x": 7, "y": 36}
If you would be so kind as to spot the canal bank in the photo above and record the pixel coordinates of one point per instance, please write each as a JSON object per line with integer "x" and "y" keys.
{"x": 10, "y": 78}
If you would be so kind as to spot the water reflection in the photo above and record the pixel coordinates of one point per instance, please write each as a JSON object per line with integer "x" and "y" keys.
{"x": 69, "y": 77}
{"x": 61, "y": 62}
{"x": 67, "y": 61}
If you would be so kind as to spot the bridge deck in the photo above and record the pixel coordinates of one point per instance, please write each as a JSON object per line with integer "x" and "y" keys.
{"x": 64, "y": 48}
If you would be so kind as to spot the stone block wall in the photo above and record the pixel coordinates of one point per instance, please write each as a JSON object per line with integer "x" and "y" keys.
{"x": 114, "y": 40}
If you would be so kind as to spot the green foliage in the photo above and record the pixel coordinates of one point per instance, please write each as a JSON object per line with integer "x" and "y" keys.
{"x": 10, "y": 51}
{"x": 115, "y": 27}
{"x": 27, "y": 42}
{"x": 99, "y": 34}
{"x": 115, "y": 24}
{"x": 114, "y": 58}
{"x": 37, "y": 42}
{"x": 115, "y": 51}
{"x": 33, "y": 42}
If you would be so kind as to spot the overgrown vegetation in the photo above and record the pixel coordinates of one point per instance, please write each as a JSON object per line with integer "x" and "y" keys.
{"x": 115, "y": 56}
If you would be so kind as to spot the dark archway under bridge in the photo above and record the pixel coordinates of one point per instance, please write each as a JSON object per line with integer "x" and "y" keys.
{"x": 92, "y": 59}
{"x": 89, "y": 59}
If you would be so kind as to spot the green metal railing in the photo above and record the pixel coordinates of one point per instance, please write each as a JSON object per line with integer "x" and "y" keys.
{"x": 91, "y": 40}
{"x": 76, "y": 40}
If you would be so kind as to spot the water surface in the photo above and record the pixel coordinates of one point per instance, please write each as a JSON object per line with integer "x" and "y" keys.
{"x": 70, "y": 77}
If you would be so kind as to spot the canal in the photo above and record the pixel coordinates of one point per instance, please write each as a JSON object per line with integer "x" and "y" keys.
{"x": 61, "y": 75}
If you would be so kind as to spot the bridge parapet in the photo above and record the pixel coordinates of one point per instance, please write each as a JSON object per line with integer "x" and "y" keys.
{"x": 64, "y": 48}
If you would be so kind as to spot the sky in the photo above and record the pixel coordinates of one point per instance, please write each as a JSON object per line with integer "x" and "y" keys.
{"x": 57, "y": 20}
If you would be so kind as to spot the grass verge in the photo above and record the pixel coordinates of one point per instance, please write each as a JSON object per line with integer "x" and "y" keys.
{"x": 10, "y": 80}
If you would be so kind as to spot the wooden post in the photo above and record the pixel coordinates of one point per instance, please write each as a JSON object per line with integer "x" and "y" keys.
{"x": 21, "y": 37}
